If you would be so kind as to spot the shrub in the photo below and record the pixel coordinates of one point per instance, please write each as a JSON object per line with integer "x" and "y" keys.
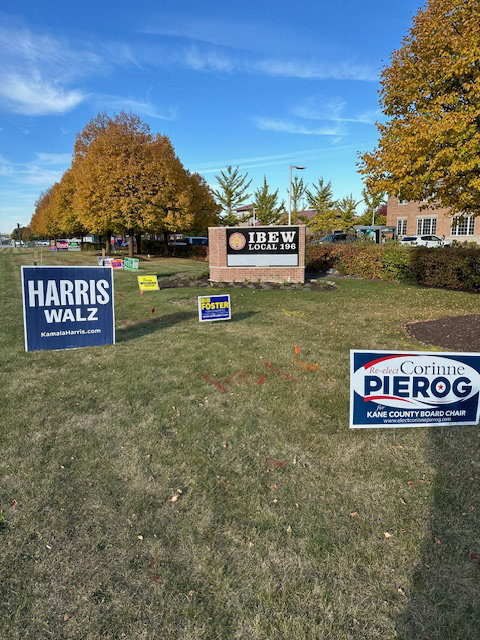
{"x": 448, "y": 267}
{"x": 158, "y": 247}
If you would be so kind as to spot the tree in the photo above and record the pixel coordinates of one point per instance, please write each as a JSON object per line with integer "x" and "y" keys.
{"x": 346, "y": 207}
{"x": 297, "y": 192}
{"x": 321, "y": 200}
{"x": 374, "y": 203}
{"x": 22, "y": 234}
{"x": 62, "y": 209}
{"x": 128, "y": 180}
{"x": 428, "y": 149}
{"x": 43, "y": 222}
{"x": 266, "y": 207}
{"x": 231, "y": 193}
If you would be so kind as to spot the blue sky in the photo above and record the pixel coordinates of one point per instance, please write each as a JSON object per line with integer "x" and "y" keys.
{"x": 257, "y": 84}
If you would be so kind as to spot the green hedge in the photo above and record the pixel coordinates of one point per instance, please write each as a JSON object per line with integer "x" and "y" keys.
{"x": 157, "y": 247}
{"x": 448, "y": 267}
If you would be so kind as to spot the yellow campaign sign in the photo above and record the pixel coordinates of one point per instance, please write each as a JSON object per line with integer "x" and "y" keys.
{"x": 148, "y": 283}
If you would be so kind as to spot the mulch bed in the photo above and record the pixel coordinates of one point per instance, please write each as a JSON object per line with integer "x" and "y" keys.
{"x": 181, "y": 280}
{"x": 457, "y": 333}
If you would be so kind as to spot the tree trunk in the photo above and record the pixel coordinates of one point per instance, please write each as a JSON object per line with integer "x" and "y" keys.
{"x": 130, "y": 243}
{"x": 107, "y": 243}
{"x": 165, "y": 240}
{"x": 138, "y": 238}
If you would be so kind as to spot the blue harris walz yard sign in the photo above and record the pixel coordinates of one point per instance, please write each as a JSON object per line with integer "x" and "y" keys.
{"x": 416, "y": 389}
{"x": 67, "y": 307}
{"x": 214, "y": 308}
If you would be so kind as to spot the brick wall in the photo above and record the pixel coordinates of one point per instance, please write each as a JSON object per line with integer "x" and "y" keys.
{"x": 219, "y": 272}
{"x": 411, "y": 212}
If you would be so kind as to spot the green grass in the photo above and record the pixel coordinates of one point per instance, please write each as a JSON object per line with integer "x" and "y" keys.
{"x": 261, "y": 543}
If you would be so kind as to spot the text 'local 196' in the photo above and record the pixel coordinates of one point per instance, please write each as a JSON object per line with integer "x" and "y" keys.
{"x": 67, "y": 307}
{"x": 415, "y": 389}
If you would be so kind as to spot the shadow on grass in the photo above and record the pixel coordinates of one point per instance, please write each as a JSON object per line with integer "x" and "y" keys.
{"x": 444, "y": 596}
{"x": 123, "y": 334}
{"x": 238, "y": 317}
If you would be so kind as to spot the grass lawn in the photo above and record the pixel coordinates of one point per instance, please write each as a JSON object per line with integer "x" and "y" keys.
{"x": 279, "y": 529}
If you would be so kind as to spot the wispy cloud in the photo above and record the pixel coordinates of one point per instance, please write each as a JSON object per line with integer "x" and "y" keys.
{"x": 314, "y": 70}
{"x": 331, "y": 109}
{"x": 288, "y": 126}
{"x": 243, "y": 35}
{"x": 37, "y": 71}
{"x": 207, "y": 58}
{"x": 34, "y": 96}
{"x": 256, "y": 162}
{"x": 45, "y": 75}
{"x": 21, "y": 183}
{"x": 141, "y": 107}
{"x": 42, "y": 171}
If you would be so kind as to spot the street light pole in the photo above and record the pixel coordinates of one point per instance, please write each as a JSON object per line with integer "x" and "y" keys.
{"x": 292, "y": 166}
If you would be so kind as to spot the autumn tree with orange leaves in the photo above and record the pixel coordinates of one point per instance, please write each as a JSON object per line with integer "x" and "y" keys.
{"x": 429, "y": 148}
{"x": 130, "y": 181}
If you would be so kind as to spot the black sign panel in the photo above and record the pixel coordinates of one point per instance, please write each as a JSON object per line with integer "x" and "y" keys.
{"x": 262, "y": 246}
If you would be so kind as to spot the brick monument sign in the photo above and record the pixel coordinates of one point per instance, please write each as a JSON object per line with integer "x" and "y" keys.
{"x": 265, "y": 254}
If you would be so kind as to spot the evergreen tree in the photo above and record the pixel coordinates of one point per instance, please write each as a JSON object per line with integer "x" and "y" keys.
{"x": 347, "y": 209}
{"x": 298, "y": 191}
{"x": 321, "y": 200}
{"x": 266, "y": 207}
{"x": 231, "y": 193}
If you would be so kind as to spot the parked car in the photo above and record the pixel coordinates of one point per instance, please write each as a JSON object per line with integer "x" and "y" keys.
{"x": 192, "y": 241}
{"x": 335, "y": 237}
{"x": 424, "y": 241}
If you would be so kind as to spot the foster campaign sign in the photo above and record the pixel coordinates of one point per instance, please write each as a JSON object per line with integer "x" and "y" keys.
{"x": 67, "y": 307}
{"x": 214, "y": 308}
{"x": 415, "y": 389}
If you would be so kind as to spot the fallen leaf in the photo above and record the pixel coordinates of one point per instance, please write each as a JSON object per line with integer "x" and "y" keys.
{"x": 401, "y": 591}
{"x": 176, "y": 496}
{"x": 402, "y": 501}
{"x": 66, "y": 616}
{"x": 140, "y": 537}
{"x": 153, "y": 310}
{"x": 297, "y": 350}
{"x": 437, "y": 540}
{"x": 410, "y": 482}
{"x": 192, "y": 593}
{"x": 387, "y": 534}
{"x": 155, "y": 578}
{"x": 474, "y": 557}
{"x": 353, "y": 514}
{"x": 289, "y": 530}
{"x": 13, "y": 503}
{"x": 276, "y": 463}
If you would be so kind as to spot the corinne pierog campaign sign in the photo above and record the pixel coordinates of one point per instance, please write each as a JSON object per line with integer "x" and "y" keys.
{"x": 414, "y": 389}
